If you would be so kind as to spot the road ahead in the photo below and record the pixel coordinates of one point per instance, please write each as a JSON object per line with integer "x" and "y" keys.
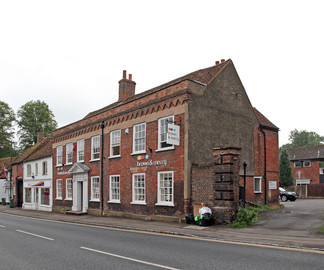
{"x": 38, "y": 244}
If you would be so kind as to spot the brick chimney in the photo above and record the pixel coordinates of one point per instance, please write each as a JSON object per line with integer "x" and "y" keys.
{"x": 40, "y": 136}
{"x": 126, "y": 87}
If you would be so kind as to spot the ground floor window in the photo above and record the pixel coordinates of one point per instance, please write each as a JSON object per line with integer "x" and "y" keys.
{"x": 138, "y": 192}
{"x": 257, "y": 184}
{"x": 95, "y": 188}
{"x": 165, "y": 188}
{"x": 45, "y": 196}
{"x": 69, "y": 189}
{"x": 114, "y": 188}
{"x": 59, "y": 189}
{"x": 28, "y": 193}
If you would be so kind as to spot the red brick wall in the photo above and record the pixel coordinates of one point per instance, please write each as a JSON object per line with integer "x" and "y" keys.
{"x": 311, "y": 172}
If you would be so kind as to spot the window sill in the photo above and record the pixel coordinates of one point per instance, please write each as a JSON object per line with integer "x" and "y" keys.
{"x": 58, "y": 165}
{"x": 138, "y": 153}
{"x": 58, "y": 199}
{"x": 139, "y": 203}
{"x": 113, "y": 201}
{"x": 80, "y": 161}
{"x": 257, "y": 192}
{"x": 164, "y": 204}
{"x": 165, "y": 149}
{"x": 112, "y": 157}
{"x": 67, "y": 164}
{"x": 94, "y": 160}
{"x": 98, "y": 201}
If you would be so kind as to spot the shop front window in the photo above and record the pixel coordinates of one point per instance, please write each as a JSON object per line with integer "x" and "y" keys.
{"x": 27, "y": 195}
{"x": 45, "y": 196}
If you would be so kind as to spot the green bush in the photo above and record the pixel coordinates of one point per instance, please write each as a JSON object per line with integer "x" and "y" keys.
{"x": 247, "y": 216}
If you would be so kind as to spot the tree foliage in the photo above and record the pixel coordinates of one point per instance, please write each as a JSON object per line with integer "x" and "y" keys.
{"x": 285, "y": 175}
{"x": 303, "y": 138}
{"x": 7, "y": 119}
{"x": 33, "y": 117}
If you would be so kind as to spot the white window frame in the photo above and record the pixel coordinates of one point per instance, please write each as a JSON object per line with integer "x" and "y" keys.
{"x": 165, "y": 191}
{"x": 36, "y": 169}
{"x": 115, "y": 141}
{"x": 59, "y": 189}
{"x": 114, "y": 189}
{"x": 59, "y": 155}
{"x": 80, "y": 151}
{"x": 307, "y": 161}
{"x": 69, "y": 153}
{"x": 29, "y": 170}
{"x": 298, "y": 164}
{"x": 44, "y": 168}
{"x": 255, "y": 186}
{"x": 95, "y": 188}
{"x": 138, "y": 146}
{"x": 136, "y": 188}
{"x": 163, "y": 131}
{"x": 95, "y": 147}
{"x": 69, "y": 189}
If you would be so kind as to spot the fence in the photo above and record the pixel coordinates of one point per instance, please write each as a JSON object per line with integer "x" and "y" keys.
{"x": 308, "y": 191}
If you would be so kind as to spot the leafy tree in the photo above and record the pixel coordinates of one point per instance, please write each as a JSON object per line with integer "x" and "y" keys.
{"x": 7, "y": 118}
{"x": 285, "y": 175}
{"x": 33, "y": 117}
{"x": 304, "y": 138}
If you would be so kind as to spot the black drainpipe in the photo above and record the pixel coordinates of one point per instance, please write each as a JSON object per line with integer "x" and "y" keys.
{"x": 102, "y": 164}
{"x": 265, "y": 165}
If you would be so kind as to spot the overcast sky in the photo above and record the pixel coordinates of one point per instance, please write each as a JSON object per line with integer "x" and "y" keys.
{"x": 71, "y": 54}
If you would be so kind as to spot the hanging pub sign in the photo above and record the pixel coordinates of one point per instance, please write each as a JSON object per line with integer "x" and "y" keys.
{"x": 173, "y": 134}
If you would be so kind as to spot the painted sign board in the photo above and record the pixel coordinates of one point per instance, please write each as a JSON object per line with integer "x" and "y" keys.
{"x": 173, "y": 134}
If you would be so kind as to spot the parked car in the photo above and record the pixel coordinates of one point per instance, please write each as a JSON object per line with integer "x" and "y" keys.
{"x": 287, "y": 195}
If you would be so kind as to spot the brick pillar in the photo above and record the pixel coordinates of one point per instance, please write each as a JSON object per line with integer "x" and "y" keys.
{"x": 226, "y": 183}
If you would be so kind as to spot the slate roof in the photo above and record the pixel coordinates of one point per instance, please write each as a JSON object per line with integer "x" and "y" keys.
{"x": 263, "y": 121}
{"x": 306, "y": 152}
{"x": 204, "y": 76}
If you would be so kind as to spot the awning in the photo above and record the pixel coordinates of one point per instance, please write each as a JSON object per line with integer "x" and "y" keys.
{"x": 39, "y": 184}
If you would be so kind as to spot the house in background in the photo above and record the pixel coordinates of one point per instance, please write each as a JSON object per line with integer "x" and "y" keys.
{"x": 37, "y": 178}
{"x": 120, "y": 159}
{"x": 4, "y": 179}
{"x": 17, "y": 170}
{"x": 307, "y": 164}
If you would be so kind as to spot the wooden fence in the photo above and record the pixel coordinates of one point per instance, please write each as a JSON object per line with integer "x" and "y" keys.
{"x": 308, "y": 191}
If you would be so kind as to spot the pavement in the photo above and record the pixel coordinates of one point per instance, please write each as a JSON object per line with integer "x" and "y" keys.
{"x": 271, "y": 229}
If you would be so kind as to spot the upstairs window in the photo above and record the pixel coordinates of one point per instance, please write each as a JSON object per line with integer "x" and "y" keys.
{"x": 69, "y": 153}
{"x": 80, "y": 150}
{"x": 28, "y": 170}
{"x": 302, "y": 163}
{"x": 59, "y": 152}
{"x": 95, "y": 148}
{"x": 139, "y": 135}
{"x": 44, "y": 168}
{"x": 36, "y": 169}
{"x": 163, "y": 132}
{"x": 115, "y": 143}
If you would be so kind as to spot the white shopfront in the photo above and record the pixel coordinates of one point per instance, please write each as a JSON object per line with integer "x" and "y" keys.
{"x": 38, "y": 192}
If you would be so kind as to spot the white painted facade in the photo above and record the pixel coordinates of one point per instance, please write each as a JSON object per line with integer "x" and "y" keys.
{"x": 4, "y": 189}
{"x": 38, "y": 189}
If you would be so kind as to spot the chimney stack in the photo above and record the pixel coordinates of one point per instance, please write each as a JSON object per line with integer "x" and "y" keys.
{"x": 126, "y": 87}
{"x": 40, "y": 136}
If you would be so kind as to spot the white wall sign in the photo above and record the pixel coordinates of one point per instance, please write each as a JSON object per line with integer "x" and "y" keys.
{"x": 173, "y": 135}
{"x": 272, "y": 184}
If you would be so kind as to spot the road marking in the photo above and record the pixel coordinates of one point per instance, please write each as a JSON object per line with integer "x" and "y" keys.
{"x": 175, "y": 236}
{"x": 129, "y": 259}
{"x": 37, "y": 235}
{"x": 1, "y": 226}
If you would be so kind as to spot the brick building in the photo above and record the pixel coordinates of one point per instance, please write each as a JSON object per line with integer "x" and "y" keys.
{"x": 307, "y": 164}
{"x": 118, "y": 159}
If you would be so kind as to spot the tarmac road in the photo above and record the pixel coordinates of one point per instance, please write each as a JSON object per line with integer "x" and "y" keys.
{"x": 293, "y": 226}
